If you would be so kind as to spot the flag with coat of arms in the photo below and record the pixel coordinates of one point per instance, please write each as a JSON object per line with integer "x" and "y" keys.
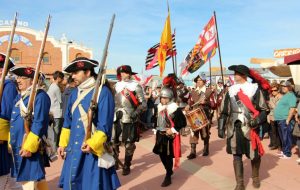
{"x": 204, "y": 49}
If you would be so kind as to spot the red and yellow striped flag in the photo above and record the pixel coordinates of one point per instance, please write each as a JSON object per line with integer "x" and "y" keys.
{"x": 165, "y": 44}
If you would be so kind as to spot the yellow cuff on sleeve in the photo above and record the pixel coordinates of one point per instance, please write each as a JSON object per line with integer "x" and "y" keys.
{"x": 96, "y": 142}
{"x": 31, "y": 143}
{"x": 8, "y": 144}
{"x": 64, "y": 137}
{"x": 4, "y": 129}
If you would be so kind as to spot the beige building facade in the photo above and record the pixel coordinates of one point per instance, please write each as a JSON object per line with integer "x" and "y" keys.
{"x": 26, "y": 47}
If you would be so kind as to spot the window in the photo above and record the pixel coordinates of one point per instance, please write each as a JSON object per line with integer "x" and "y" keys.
{"x": 16, "y": 55}
{"x": 46, "y": 58}
{"x": 78, "y": 55}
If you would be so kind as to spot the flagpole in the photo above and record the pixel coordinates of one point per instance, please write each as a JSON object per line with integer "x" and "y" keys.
{"x": 210, "y": 72}
{"x": 173, "y": 61}
{"x": 219, "y": 48}
{"x": 176, "y": 63}
{"x": 173, "y": 52}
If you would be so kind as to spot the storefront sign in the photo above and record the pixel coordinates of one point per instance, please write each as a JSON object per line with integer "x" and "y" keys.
{"x": 285, "y": 52}
{"x": 10, "y": 22}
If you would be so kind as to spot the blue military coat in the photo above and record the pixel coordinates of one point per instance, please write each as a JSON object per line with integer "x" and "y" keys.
{"x": 80, "y": 170}
{"x": 8, "y": 96}
{"x": 32, "y": 168}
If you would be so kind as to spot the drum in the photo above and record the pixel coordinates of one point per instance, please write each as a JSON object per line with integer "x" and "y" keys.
{"x": 197, "y": 119}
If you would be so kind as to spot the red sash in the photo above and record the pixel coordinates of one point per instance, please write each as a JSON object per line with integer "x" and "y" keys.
{"x": 176, "y": 145}
{"x": 255, "y": 140}
{"x": 130, "y": 97}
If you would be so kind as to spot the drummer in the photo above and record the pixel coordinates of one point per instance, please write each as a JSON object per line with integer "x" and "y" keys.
{"x": 200, "y": 99}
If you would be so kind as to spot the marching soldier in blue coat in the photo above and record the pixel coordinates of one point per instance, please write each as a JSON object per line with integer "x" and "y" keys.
{"x": 81, "y": 170}
{"x": 28, "y": 160}
{"x": 9, "y": 93}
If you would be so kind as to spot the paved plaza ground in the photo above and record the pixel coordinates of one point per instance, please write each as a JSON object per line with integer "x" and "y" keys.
{"x": 207, "y": 173}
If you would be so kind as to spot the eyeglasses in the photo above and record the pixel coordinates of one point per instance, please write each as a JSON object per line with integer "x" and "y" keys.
{"x": 275, "y": 90}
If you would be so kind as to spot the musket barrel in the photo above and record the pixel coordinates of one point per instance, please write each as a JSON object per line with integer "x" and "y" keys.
{"x": 103, "y": 60}
{"x": 99, "y": 82}
{"x": 35, "y": 78}
{"x": 8, "y": 52}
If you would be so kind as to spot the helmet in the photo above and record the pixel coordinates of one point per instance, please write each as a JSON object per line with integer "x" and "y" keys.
{"x": 166, "y": 93}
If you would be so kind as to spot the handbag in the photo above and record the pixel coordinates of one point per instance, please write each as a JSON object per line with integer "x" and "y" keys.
{"x": 296, "y": 130}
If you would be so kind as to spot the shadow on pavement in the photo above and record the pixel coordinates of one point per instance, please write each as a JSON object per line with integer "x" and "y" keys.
{"x": 268, "y": 162}
{"x": 138, "y": 166}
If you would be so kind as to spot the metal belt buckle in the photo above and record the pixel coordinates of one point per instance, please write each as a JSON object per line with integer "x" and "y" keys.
{"x": 239, "y": 102}
{"x": 126, "y": 93}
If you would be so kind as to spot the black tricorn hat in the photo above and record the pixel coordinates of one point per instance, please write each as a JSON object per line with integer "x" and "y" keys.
{"x": 26, "y": 72}
{"x": 242, "y": 69}
{"x": 81, "y": 63}
{"x": 2, "y": 60}
{"x": 125, "y": 69}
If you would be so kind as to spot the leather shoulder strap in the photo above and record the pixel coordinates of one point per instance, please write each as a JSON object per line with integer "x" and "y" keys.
{"x": 80, "y": 98}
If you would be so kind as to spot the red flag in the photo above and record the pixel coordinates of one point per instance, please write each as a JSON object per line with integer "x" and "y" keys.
{"x": 207, "y": 42}
{"x": 142, "y": 79}
{"x": 147, "y": 80}
{"x": 151, "y": 59}
{"x": 136, "y": 77}
{"x": 204, "y": 49}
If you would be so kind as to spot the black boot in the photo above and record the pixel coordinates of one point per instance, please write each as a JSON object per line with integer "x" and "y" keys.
{"x": 239, "y": 174}
{"x": 206, "y": 148}
{"x": 127, "y": 164}
{"x": 193, "y": 152}
{"x": 255, "y": 172}
{"x": 167, "y": 181}
{"x": 126, "y": 170}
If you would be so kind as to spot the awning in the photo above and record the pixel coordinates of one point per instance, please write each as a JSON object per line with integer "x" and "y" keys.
{"x": 277, "y": 67}
{"x": 292, "y": 59}
{"x": 281, "y": 71}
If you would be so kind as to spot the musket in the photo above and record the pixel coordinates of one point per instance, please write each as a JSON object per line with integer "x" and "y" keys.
{"x": 101, "y": 77}
{"x": 28, "y": 117}
{"x": 8, "y": 52}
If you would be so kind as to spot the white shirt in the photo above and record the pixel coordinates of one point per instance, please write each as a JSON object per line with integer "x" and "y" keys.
{"x": 56, "y": 100}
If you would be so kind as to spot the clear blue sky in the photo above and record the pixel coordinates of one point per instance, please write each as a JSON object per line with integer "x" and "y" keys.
{"x": 247, "y": 28}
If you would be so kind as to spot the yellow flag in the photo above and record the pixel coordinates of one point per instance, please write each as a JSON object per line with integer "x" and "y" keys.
{"x": 165, "y": 45}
